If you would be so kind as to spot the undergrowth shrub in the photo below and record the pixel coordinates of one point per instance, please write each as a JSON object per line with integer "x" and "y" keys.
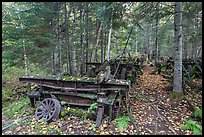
{"x": 122, "y": 122}
{"x": 193, "y": 126}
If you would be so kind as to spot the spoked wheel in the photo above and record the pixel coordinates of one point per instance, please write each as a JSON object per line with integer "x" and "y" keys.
{"x": 48, "y": 109}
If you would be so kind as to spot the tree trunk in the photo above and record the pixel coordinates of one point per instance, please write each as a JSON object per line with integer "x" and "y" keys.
{"x": 197, "y": 41}
{"x": 116, "y": 45}
{"x": 24, "y": 53}
{"x": 74, "y": 44}
{"x": 156, "y": 43}
{"x": 68, "y": 58}
{"x": 25, "y": 58}
{"x": 177, "y": 79}
{"x": 82, "y": 41}
{"x": 136, "y": 41}
{"x": 53, "y": 47}
{"x": 105, "y": 44}
{"x": 145, "y": 48}
{"x": 109, "y": 40}
{"x": 59, "y": 43}
{"x": 102, "y": 46}
{"x": 185, "y": 50}
{"x": 150, "y": 43}
{"x": 94, "y": 50}
{"x": 87, "y": 33}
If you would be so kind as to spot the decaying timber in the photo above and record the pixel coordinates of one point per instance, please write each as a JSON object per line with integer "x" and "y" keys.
{"x": 125, "y": 68}
{"x": 80, "y": 91}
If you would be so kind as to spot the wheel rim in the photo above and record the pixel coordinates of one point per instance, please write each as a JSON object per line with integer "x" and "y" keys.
{"x": 48, "y": 109}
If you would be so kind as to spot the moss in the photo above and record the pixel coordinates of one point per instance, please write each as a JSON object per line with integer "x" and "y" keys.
{"x": 176, "y": 95}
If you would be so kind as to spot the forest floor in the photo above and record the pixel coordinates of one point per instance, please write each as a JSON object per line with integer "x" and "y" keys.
{"x": 155, "y": 112}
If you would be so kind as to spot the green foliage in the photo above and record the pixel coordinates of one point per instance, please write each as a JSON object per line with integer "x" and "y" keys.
{"x": 197, "y": 112}
{"x": 194, "y": 70}
{"x": 30, "y": 22}
{"x": 91, "y": 110}
{"x": 93, "y": 106}
{"x": 6, "y": 92}
{"x": 122, "y": 122}
{"x": 192, "y": 125}
{"x": 10, "y": 77}
{"x": 19, "y": 107}
{"x": 175, "y": 95}
{"x": 136, "y": 96}
{"x": 11, "y": 74}
{"x": 72, "y": 111}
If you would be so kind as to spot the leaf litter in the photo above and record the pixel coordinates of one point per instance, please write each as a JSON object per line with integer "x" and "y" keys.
{"x": 150, "y": 104}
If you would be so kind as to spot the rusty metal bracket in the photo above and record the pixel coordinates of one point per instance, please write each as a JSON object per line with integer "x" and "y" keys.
{"x": 99, "y": 115}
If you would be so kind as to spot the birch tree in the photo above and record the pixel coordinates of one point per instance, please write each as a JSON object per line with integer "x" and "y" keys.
{"x": 24, "y": 53}
{"x": 109, "y": 39}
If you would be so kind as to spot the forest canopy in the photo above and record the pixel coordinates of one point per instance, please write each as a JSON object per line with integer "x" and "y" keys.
{"x": 54, "y": 36}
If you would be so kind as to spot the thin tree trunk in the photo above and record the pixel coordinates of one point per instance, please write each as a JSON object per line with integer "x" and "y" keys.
{"x": 194, "y": 46}
{"x": 150, "y": 43}
{"x": 24, "y": 53}
{"x": 68, "y": 58}
{"x": 109, "y": 40}
{"x": 59, "y": 43}
{"x": 87, "y": 33}
{"x": 156, "y": 43}
{"x": 97, "y": 41}
{"x": 82, "y": 41}
{"x": 91, "y": 36}
{"x": 53, "y": 47}
{"x": 82, "y": 54}
{"x": 81, "y": 38}
{"x": 177, "y": 79}
{"x": 105, "y": 44}
{"x": 145, "y": 46}
{"x": 94, "y": 50}
{"x": 25, "y": 58}
{"x": 74, "y": 44}
{"x": 136, "y": 41}
{"x": 116, "y": 44}
{"x": 185, "y": 50}
{"x": 197, "y": 41}
{"x": 102, "y": 46}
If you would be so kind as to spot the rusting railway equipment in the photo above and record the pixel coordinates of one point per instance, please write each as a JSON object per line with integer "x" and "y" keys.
{"x": 80, "y": 91}
{"x": 126, "y": 70}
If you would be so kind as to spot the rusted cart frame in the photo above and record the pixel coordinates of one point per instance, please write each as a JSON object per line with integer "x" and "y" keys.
{"x": 79, "y": 92}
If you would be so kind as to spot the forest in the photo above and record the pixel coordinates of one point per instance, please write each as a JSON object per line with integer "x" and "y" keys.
{"x": 102, "y": 68}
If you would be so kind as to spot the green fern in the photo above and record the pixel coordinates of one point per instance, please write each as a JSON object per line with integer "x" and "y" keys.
{"x": 93, "y": 107}
{"x": 193, "y": 126}
{"x": 122, "y": 122}
{"x": 198, "y": 112}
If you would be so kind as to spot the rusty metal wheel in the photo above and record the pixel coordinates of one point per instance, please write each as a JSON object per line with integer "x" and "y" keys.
{"x": 48, "y": 109}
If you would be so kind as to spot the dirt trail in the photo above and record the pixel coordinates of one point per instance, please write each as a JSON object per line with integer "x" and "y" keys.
{"x": 152, "y": 108}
